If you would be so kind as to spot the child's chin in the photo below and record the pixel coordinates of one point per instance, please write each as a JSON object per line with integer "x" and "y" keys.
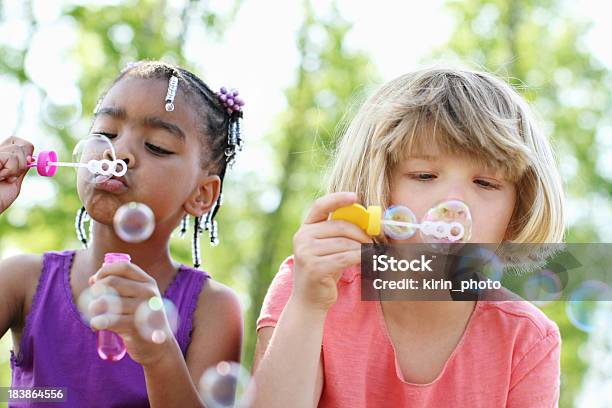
{"x": 102, "y": 208}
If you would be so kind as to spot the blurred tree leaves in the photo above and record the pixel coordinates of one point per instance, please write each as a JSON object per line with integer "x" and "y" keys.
{"x": 328, "y": 78}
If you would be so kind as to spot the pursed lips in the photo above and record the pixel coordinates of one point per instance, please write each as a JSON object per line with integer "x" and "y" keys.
{"x": 113, "y": 184}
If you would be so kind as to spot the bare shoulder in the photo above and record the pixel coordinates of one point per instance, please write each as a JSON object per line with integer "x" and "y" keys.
{"x": 217, "y": 301}
{"x": 19, "y": 277}
{"x": 23, "y": 261}
{"x": 217, "y": 328}
{"x": 21, "y": 270}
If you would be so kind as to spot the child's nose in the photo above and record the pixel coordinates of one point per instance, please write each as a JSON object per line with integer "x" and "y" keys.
{"x": 450, "y": 208}
{"x": 128, "y": 158}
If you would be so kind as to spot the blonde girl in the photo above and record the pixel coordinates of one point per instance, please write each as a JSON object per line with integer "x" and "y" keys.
{"x": 427, "y": 136}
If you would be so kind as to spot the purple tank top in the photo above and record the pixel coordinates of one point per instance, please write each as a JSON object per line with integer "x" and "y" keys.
{"x": 58, "y": 349}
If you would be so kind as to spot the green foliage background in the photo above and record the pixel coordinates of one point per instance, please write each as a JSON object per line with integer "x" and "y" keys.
{"x": 513, "y": 38}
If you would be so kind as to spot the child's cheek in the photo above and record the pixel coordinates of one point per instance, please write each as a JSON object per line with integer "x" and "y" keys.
{"x": 84, "y": 189}
{"x": 164, "y": 198}
{"x": 486, "y": 227}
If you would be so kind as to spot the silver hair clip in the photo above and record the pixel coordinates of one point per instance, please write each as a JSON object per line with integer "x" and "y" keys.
{"x": 97, "y": 107}
{"x": 172, "y": 87}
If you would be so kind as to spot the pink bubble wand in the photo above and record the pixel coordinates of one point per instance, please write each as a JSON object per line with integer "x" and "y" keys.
{"x": 46, "y": 165}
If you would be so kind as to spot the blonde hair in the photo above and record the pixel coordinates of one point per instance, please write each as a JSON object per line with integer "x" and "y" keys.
{"x": 463, "y": 112}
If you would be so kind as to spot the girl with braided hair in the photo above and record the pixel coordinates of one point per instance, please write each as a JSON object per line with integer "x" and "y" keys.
{"x": 177, "y": 138}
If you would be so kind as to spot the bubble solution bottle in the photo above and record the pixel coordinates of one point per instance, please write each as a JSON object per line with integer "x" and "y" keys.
{"x": 110, "y": 345}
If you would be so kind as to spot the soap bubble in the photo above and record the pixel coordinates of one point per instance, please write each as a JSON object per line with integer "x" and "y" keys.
{"x": 402, "y": 214}
{"x": 134, "y": 222}
{"x": 543, "y": 287}
{"x": 97, "y": 300}
{"x": 98, "y": 153}
{"x": 482, "y": 260}
{"x": 457, "y": 221}
{"x": 445, "y": 224}
{"x": 61, "y": 112}
{"x": 228, "y": 384}
{"x": 583, "y": 302}
{"x": 156, "y": 319}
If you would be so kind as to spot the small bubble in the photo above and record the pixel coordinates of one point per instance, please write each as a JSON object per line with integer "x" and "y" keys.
{"x": 61, "y": 113}
{"x": 228, "y": 384}
{"x": 483, "y": 261}
{"x": 583, "y": 303}
{"x": 402, "y": 214}
{"x": 134, "y": 222}
{"x": 98, "y": 300}
{"x": 447, "y": 223}
{"x": 156, "y": 319}
{"x": 542, "y": 287}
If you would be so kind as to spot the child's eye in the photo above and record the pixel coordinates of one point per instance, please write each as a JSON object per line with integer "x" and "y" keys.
{"x": 108, "y": 135}
{"x": 485, "y": 184}
{"x": 422, "y": 176}
{"x": 158, "y": 150}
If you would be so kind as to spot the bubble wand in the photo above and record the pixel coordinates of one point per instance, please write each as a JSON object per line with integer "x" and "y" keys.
{"x": 399, "y": 222}
{"x": 46, "y": 165}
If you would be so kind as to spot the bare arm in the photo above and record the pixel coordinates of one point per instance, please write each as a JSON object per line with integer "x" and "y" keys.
{"x": 264, "y": 338}
{"x": 287, "y": 371}
{"x": 17, "y": 274}
{"x": 11, "y": 296}
{"x": 217, "y": 336}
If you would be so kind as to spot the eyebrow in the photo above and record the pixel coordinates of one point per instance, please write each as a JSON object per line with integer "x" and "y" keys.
{"x": 149, "y": 121}
{"x": 114, "y": 112}
{"x": 158, "y": 123}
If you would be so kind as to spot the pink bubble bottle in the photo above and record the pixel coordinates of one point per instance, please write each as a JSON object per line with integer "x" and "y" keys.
{"x": 110, "y": 345}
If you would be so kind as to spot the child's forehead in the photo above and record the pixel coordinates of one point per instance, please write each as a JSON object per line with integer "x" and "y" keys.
{"x": 146, "y": 93}
{"x": 139, "y": 98}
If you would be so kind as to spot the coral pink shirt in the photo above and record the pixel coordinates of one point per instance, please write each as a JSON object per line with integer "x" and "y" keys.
{"x": 508, "y": 355}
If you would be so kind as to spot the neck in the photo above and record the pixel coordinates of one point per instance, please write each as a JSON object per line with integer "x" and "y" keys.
{"x": 152, "y": 255}
{"x": 426, "y": 314}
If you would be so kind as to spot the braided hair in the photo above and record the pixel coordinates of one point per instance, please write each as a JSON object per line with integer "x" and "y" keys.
{"x": 221, "y": 135}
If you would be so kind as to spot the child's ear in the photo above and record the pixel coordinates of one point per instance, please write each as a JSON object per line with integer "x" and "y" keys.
{"x": 204, "y": 195}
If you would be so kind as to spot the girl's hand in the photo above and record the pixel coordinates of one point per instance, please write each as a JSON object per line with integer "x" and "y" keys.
{"x": 134, "y": 287}
{"x": 322, "y": 249}
{"x": 15, "y": 154}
